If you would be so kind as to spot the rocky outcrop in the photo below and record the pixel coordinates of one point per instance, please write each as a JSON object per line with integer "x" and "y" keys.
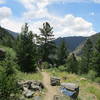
{"x": 30, "y": 87}
{"x": 55, "y": 81}
{"x": 70, "y": 89}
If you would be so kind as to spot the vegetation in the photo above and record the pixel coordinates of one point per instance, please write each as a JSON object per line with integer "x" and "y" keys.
{"x": 33, "y": 52}
{"x": 8, "y": 82}
{"x": 88, "y": 89}
{"x": 25, "y": 50}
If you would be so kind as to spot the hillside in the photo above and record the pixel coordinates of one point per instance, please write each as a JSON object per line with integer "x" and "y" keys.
{"x": 93, "y": 38}
{"x": 71, "y": 42}
{"x": 6, "y": 38}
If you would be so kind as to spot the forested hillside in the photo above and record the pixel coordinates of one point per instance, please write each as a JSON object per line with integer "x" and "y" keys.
{"x": 6, "y": 38}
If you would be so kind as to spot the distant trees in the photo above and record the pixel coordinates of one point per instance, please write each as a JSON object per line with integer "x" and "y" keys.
{"x": 86, "y": 58}
{"x": 6, "y": 38}
{"x": 96, "y": 58}
{"x": 72, "y": 64}
{"x": 62, "y": 53}
{"x": 26, "y": 50}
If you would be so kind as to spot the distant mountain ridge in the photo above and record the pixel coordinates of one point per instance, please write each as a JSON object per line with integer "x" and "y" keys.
{"x": 93, "y": 39}
{"x": 71, "y": 42}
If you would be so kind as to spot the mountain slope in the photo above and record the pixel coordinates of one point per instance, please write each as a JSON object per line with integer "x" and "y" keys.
{"x": 93, "y": 38}
{"x": 6, "y": 38}
{"x": 71, "y": 42}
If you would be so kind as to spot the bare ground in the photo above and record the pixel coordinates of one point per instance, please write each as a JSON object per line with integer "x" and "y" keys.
{"x": 51, "y": 90}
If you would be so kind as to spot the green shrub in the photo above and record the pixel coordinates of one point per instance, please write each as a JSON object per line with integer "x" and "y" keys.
{"x": 45, "y": 65}
{"x": 97, "y": 80}
{"x": 91, "y": 75}
{"x": 61, "y": 68}
{"x": 8, "y": 80}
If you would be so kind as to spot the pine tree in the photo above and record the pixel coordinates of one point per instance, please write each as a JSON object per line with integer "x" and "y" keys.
{"x": 86, "y": 59}
{"x": 26, "y": 50}
{"x": 46, "y": 42}
{"x": 62, "y": 53}
{"x": 96, "y": 58}
{"x": 72, "y": 64}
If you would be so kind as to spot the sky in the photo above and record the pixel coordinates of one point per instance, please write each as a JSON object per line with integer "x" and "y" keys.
{"x": 67, "y": 17}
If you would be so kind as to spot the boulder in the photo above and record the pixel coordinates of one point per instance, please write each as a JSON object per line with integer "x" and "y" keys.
{"x": 28, "y": 94}
{"x": 35, "y": 87}
{"x": 70, "y": 89}
{"x": 55, "y": 81}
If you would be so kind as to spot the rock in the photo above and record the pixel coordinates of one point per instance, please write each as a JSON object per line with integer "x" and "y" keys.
{"x": 37, "y": 98}
{"x": 70, "y": 89}
{"x": 83, "y": 79}
{"x": 55, "y": 81}
{"x": 28, "y": 94}
{"x": 35, "y": 87}
{"x": 70, "y": 86}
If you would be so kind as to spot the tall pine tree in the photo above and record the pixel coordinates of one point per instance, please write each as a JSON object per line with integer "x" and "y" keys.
{"x": 86, "y": 59}
{"x": 26, "y": 50}
{"x": 47, "y": 45}
{"x": 72, "y": 64}
{"x": 96, "y": 58}
{"x": 62, "y": 53}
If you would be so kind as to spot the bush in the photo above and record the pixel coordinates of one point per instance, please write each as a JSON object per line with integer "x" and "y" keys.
{"x": 45, "y": 65}
{"x": 8, "y": 81}
{"x": 97, "y": 80}
{"x": 91, "y": 75}
{"x": 61, "y": 68}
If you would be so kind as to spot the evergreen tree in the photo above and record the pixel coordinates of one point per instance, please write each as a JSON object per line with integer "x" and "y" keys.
{"x": 86, "y": 59}
{"x": 96, "y": 58}
{"x": 26, "y": 50}
{"x": 46, "y": 42}
{"x": 72, "y": 64}
{"x": 62, "y": 53}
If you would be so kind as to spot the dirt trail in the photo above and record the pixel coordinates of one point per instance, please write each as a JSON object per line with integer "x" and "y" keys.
{"x": 51, "y": 90}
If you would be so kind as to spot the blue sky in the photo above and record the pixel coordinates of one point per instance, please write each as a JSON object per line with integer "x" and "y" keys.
{"x": 74, "y": 18}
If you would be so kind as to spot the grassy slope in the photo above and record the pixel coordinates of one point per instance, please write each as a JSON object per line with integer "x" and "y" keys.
{"x": 29, "y": 76}
{"x": 88, "y": 89}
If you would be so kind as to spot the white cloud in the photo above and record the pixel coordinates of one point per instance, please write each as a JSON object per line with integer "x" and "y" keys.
{"x": 96, "y": 1}
{"x": 69, "y": 25}
{"x": 11, "y": 24}
{"x": 5, "y": 12}
{"x": 2, "y": 1}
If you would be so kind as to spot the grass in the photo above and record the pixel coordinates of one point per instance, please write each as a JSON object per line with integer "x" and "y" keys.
{"x": 29, "y": 76}
{"x": 89, "y": 90}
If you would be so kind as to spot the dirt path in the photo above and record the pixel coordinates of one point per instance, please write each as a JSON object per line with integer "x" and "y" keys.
{"x": 51, "y": 90}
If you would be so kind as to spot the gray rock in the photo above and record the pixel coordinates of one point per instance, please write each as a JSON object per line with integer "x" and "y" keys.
{"x": 37, "y": 98}
{"x": 70, "y": 86}
{"x": 70, "y": 89}
{"x": 28, "y": 94}
{"x": 35, "y": 87}
{"x": 54, "y": 81}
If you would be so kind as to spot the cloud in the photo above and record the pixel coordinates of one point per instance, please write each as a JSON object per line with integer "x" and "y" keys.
{"x": 69, "y": 25}
{"x": 2, "y": 1}
{"x": 96, "y": 1}
{"x": 11, "y": 24}
{"x": 5, "y": 12}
